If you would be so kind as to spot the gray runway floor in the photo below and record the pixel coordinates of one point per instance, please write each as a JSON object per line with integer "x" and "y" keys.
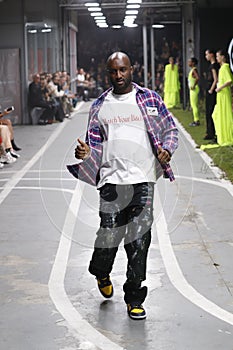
{"x": 48, "y": 222}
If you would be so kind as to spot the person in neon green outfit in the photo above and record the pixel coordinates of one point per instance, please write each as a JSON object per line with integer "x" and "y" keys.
{"x": 193, "y": 79}
{"x": 223, "y": 115}
{"x": 171, "y": 84}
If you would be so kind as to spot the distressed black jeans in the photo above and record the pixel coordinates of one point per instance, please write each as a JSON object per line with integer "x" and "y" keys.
{"x": 126, "y": 213}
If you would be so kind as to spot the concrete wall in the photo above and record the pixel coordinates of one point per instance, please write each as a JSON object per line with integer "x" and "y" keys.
{"x": 13, "y": 17}
{"x": 12, "y": 37}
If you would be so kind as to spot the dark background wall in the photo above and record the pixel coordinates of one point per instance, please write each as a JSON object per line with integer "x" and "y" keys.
{"x": 99, "y": 43}
{"x": 216, "y": 29}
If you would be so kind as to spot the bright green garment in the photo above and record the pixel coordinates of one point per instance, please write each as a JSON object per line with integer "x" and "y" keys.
{"x": 193, "y": 95}
{"x": 171, "y": 86}
{"x": 222, "y": 115}
{"x": 209, "y": 146}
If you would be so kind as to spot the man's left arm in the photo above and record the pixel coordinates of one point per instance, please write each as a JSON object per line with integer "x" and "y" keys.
{"x": 169, "y": 131}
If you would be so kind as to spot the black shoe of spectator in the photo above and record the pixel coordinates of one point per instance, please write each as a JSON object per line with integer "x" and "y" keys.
{"x": 14, "y": 146}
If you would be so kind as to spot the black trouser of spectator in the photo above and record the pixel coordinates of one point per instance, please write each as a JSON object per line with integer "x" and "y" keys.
{"x": 84, "y": 92}
{"x": 49, "y": 110}
{"x": 210, "y": 103}
{"x": 59, "y": 112}
{"x": 126, "y": 212}
{"x": 80, "y": 90}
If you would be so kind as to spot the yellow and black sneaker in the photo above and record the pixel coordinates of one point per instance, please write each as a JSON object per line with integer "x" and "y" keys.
{"x": 136, "y": 311}
{"x": 105, "y": 287}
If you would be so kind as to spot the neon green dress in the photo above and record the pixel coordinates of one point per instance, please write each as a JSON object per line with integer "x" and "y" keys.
{"x": 171, "y": 86}
{"x": 222, "y": 115}
{"x": 193, "y": 95}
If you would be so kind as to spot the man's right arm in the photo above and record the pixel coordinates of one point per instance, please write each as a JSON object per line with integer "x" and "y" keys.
{"x": 82, "y": 151}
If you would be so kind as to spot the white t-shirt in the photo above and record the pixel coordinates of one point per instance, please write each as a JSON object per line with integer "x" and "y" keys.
{"x": 127, "y": 153}
{"x": 80, "y": 79}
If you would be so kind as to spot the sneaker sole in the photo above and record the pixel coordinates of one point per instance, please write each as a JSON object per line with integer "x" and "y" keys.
{"x": 135, "y": 318}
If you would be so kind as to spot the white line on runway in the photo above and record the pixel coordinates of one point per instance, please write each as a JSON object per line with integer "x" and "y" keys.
{"x": 19, "y": 174}
{"x": 175, "y": 274}
{"x": 43, "y": 179}
{"x": 42, "y": 188}
{"x": 8, "y": 187}
{"x": 57, "y": 291}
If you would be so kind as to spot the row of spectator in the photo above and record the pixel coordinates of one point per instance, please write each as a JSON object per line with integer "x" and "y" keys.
{"x": 52, "y": 94}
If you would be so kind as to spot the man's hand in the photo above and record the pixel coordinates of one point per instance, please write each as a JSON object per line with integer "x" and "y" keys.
{"x": 82, "y": 150}
{"x": 163, "y": 155}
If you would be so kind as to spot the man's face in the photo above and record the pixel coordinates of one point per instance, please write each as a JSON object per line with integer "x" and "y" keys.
{"x": 120, "y": 74}
{"x": 56, "y": 80}
{"x": 207, "y": 55}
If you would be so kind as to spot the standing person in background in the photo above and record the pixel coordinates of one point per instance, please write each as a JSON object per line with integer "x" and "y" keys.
{"x": 193, "y": 79}
{"x": 212, "y": 79}
{"x": 222, "y": 115}
{"x": 81, "y": 81}
{"x": 129, "y": 132}
{"x": 171, "y": 84}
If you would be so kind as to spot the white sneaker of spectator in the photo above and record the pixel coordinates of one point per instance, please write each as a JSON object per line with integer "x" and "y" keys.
{"x": 1, "y": 165}
{"x": 13, "y": 154}
{"x": 7, "y": 158}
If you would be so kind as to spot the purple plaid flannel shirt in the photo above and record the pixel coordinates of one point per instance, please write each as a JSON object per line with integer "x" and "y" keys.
{"x": 161, "y": 130}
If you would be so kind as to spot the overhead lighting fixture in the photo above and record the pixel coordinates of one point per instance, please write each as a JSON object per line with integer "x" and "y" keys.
{"x": 134, "y": 1}
{"x": 89, "y": 4}
{"x": 129, "y": 18}
{"x": 99, "y": 17}
{"x": 133, "y": 6}
{"x": 130, "y": 25}
{"x": 94, "y": 9}
{"x": 116, "y": 26}
{"x": 32, "y": 31}
{"x": 94, "y": 14}
{"x": 46, "y": 30}
{"x": 158, "y": 26}
{"x": 100, "y": 20}
{"x": 104, "y": 25}
{"x": 131, "y": 12}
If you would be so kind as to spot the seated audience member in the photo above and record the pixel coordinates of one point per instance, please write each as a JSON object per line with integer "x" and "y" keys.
{"x": 99, "y": 85}
{"x": 36, "y": 98}
{"x": 7, "y": 156}
{"x": 67, "y": 98}
{"x": 82, "y": 83}
{"x": 91, "y": 86}
{"x": 7, "y": 122}
{"x": 138, "y": 78}
{"x": 56, "y": 93}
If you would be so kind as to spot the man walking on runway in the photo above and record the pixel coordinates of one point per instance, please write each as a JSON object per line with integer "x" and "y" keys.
{"x": 130, "y": 139}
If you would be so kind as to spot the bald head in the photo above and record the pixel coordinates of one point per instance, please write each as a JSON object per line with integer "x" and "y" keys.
{"x": 118, "y": 56}
{"x": 120, "y": 72}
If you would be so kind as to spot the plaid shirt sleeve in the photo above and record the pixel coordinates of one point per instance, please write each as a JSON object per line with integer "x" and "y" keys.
{"x": 161, "y": 127}
{"x": 88, "y": 169}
